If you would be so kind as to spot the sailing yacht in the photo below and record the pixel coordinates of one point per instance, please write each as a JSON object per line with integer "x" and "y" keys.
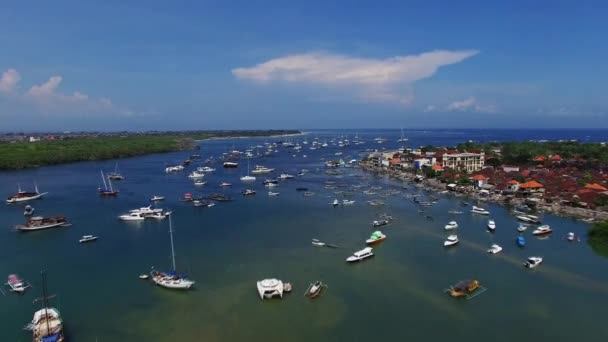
{"x": 106, "y": 191}
{"x": 22, "y": 196}
{"x": 403, "y": 138}
{"x": 249, "y": 177}
{"x": 47, "y": 325}
{"x": 171, "y": 279}
{"x": 116, "y": 174}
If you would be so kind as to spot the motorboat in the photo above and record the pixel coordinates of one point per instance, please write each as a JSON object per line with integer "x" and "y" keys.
{"x": 271, "y": 185}
{"x": 23, "y": 196}
{"x": 248, "y": 178}
{"x": 171, "y": 169}
{"x": 480, "y": 211}
{"x": 146, "y": 210}
{"x": 317, "y": 243}
{"x": 47, "y": 324}
{"x": 205, "y": 169}
{"x": 348, "y": 202}
{"x": 248, "y": 192}
{"x": 200, "y": 182}
{"x": 187, "y": 197}
{"x": 521, "y": 241}
{"x": 171, "y": 279}
{"x": 144, "y": 276}
{"x": 225, "y": 184}
{"x": 132, "y": 217}
{"x": 570, "y": 236}
{"x": 196, "y": 174}
{"x": 28, "y": 211}
{"x": 542, "y": 230}
{"x": 451, "y": 225}
{"x": 529, "y": 218}
{"x": 533, "y": 261}
{"x": 156, "y": 198}
{"x": 270, "y": 193}
{"x": 522, "y": 228}
{"x": 269, "y": 288}
{"x": 206, "y": 204}
{"x": 16, "y": 284}
{"x": 260, "y": 170}
{"x": 361, "y": 255}
{"x": 87, "y": 238}
{"x": 40, "y": 223}
{"x": 451, "y": 241}
{"x": 464, "y": 288}
{"x": 494, "y": 249}
{"x": 270, "y": 181}
{"x": 375, "y": 238}
{"x": 159, "y": 215}
{"x": 379, "y": 223}
{"x": 314, "y": 289}
{"x": 231, "y": 165}
{"x": 491, "y": 225}
{"x": 285, "y": 176}
{"x": 335, "y": 203}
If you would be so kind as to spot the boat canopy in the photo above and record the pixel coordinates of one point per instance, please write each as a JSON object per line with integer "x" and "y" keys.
{"x": 464, "y": 285}
{"x": 376, "y": 235}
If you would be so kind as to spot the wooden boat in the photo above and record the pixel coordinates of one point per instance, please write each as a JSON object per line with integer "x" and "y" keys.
{"x": 24, "y": 196}
{"x": 465, "y": 289}
{"x": 40, "y": 223}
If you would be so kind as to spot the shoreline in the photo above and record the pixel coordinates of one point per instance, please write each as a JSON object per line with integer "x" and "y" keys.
{"x": 259, "y": 136}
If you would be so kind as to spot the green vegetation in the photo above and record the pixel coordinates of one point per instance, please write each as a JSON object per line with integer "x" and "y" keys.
{"x": 24, "y": 154}
{"x": 598, "y": 238}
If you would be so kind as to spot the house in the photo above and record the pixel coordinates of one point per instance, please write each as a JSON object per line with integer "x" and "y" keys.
{"x": 479, "y": 180}
{"x": 531, "y": 187}
{"x": 596, "y": 187}
{"x": 512, "y": 185}
{"x": 469, "y": 162}
{"x": 510, "y": 168}
{"x": 34, "y": 139}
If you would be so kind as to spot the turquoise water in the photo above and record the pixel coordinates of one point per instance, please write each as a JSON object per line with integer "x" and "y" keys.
{"x": 227, "y": 248}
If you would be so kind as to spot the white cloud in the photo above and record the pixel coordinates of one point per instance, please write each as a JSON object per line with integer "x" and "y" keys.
{"x": 430, "y": 108}
{"x": 9, "y": 80}
{"x": 376, "y": 80}
{"x": 471, "y": 104}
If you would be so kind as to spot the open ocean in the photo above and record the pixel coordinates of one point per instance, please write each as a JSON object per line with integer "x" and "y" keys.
{"x": 395, "y": 296}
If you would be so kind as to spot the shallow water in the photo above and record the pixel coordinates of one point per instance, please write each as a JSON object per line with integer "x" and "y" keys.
{"x": 227, "y": 248}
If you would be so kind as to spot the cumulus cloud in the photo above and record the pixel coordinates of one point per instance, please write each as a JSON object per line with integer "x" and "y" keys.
{"x": 471, "y": 104}
{"x": 9, "y": 80}
{"x": 376, "y": 80}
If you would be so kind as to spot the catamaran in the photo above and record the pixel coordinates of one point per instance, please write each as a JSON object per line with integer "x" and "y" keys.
{"x": 106, "y": 191}
{"x": 171, "y": 279}
{"x": 22, "y": 196}
{"x": 47, "y": 325}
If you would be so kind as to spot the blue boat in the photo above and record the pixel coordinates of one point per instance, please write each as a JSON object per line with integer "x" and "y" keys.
{"x": 521, "y": 241}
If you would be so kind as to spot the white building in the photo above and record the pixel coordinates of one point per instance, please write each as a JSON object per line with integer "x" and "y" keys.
{"x": 469, "y": 162}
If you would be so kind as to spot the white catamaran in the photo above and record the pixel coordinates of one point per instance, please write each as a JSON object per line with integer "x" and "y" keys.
{"x": 171, "y": 279}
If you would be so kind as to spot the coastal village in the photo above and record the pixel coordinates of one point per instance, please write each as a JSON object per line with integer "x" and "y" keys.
{"x": 574, "y": 186}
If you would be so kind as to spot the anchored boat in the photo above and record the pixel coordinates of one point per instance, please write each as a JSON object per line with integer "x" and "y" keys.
{"x": 171, "y": 279}
{"x": 40, "y": 223}
{"x": 23, "y": 196}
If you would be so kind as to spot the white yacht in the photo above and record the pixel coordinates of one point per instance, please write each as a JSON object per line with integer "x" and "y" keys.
{"x": 522, "y": 228}
{"x": 196, "y": 174}
{"x": 480, "y": 211}
{"x": 533, "y": 261}
{"x": 260, "y": 170}
{"x": 171, "y": 279}
{"x": 132, "y": 217}
{"x": 270, "y": 193}
{"x": 348, "y": 202}
{"x": 494, "y": 249}
{"x": 199, "y": 182}
{"x": 205, "y": 169}
{"x": 451, "y": 225}
{"x": 87, "y": 238}
{"x": 269, "y": 288}
{"x": 451, "y": 241}
{"x": 284, "y": 176}
{"x": 146, "y": 210}
{"x": 170, "y": 169}
{"x": 491, "y": 225}
{"x": 542, "y": 230}
{"x": 157, "y": 198}
{"x": 361, "y": 255}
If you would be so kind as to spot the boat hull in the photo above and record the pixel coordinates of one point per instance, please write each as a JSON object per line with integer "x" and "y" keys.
{"x": 43, "y": 227}
{"x": 23, "y": 199}
{"x": 371, "y": 242}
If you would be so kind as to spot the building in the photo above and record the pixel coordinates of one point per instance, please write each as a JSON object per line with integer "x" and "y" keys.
{"x": 479, "y": 180}
{"x": 469, "y": 162}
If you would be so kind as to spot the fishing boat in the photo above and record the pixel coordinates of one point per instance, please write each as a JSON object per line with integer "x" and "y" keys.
{"x": 361, "y": 255}
{"x": 157, "y": 198}
{"x": 522, "y": 228}
{"x": 231, "y": 165}
{"x": 47, "y": 325}
{"x": 521, "y": 241}
{"x": 465, "y": 289}
{"x": 542, "y": 230}
{"x": 171, "y": 279}
{"x": 115, "y": 175}
{"x": 375, "y": 238}
{"x": 451, "y": 241}
{"x": 491, "y": 225}
{"x": 40, "y": 223}
{"x": 107, "y": 189}
{"x": 314, "y": 289}
{"x": 248, "y": 192}
{"x": 28, "y": 211}
{"x": 87, "y": 238}
{"x": 533, "y": 261}
{"x": 451, "y": 225}
{"x": 480, "y": 211}
{"x": 23, "y": 196}
{"x": 269, "y": 288}
{"x": 16, "y": 284}
{"x": 270, "y": 193}
{"x": 494, "y": 249}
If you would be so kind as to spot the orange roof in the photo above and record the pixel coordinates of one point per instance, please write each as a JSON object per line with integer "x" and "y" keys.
{"x": 531, "y": 185}
{"x": 479, "y": 177}
{"x": 540, "y": 158}
{"x": 596, "y": 186}
{"x": 395, "y": 161}
{"x": 437, "y": 167}
{"x": 513, "y": 182}
{"x": 556, "y": 157}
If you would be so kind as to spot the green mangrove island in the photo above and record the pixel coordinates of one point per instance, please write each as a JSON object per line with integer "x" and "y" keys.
{"x": 52, "y": 150}
{"x": 598, "y": 238}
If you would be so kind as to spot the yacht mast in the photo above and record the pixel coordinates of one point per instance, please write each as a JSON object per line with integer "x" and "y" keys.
{"x": 172, "y": 248}
{"x": 105, "y": 186}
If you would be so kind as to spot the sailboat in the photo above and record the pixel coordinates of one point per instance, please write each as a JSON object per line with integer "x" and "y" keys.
{"x": 116, "y": 174}
{"x": 249, "y": 177}
{"x": 105, "y": 191}
{"x": 403, "y": 138}
{"x": 47, "y": 324}
{"x": 23, "y": 196}
{"x": 171, "y": 279}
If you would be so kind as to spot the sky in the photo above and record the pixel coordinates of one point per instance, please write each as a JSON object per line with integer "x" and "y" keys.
{"x": 141, "y": 65}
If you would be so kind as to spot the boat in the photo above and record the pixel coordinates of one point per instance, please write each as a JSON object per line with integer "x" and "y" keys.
{"x": 177, "y": 168}
{"x": 200, "y": 182}
{"x": 529, "y": 218}
{"x": 270, "y": 193}
{"x": 106, "y": 190}
{"x": 379, "y": 223}
{"x": 231, "y": 165}
{"x": 361, "y": 255}
{"x": 196, "y": 174}
{"x": 521, "y": 241}
{"x": 480, "y": 211}
{"x": 570, "y": 236}
{"x": 318, "y": 243}
{"x": 47, "y": 325}
{"x": 159, "y": 215}
{"x": 219, "y": 197}
{"x": 285, "y": 176}
{"x": 542, "y": 230}
{"x": 116, "y": 174}
{"x": 16, "y": 284}
{"x": 87, "y": 238}
{"x": 335, "y": 203}
{"x": 451, "y": 225}
{"x": 28, "y": 211}
{"x": 248, "y": 192}
{"x": 144, "y": 276}
{"x": 375, "y": 238}
{"x": 23, "y": 196}
{"x": 287, "y": 287}
{"x": 187, "y": 197}
{"x": 132, "y": 217}
{"x": 271, "y": 185}
{"x": 195, "y": 156}
{"x": 248, "y": 177}
{"x": 260, "y": 170}
{"x": 157, "y": 198}
{"x": 301, "y": 189}
{"x": 314, "y": 289}
{"x": 171, "y": 279}
{"x": 451, "y": 241}
{"x": 533, "y": 261}
{"x": 225, "y": 184}
{"x": 206, "y": 204}
{"x": 465, "y": 289}
{"x": 403, "y": 138}
{"x": 491, "y": 225}
{"x": 522, "y": 228}
{"x": 269, "y": 288}
{"x": 494, "y": 249}
{"x": 455, "y": 212}
{"x": 205, "y": 169}
{"x": 40, "y": 223}
{"x": 348, "y": 202}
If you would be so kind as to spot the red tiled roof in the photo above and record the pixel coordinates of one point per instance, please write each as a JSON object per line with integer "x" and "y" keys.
{"x": 540, "y": 158}
{"x": 513, "y": 182}
{"x": 479, "y": 177}
{"x": 531, "y": 185}
{"x": 595, "y": 186}
{"x": 437, "y": 167}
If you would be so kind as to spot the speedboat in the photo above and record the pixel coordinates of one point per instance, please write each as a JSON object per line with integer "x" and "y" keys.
{"x": 480, "y": 211}
{"x": 196, "y": 174}
{"x": 318, "y": 243}
{"x": 521, "y": 241}
{"x": 522, "y": 228}
{"x": 348, "y": 202}
{"x": 314, "y": 289}
{"x": 16, "y": 284}
{"x": 269, "y": 288}
{"x": 231, "y": 165}
{"x": 40, "y": 223}
{"x": 570, "y": 236}
{"x": 28, "y": 211}
{"x": 248, "y": 178}
{"x": 248, "y": 192}
{"x": 335, "y": 203}
{"x": 259, "y": 170}
{"x": 451, "y": 225}
{"x": 205, "y": 169}
{"x": 533, "y": 261}
{"x": 495, "y": 249}
{"x": 361, "y": 255}
{"x": 451, "y": 241}
{"x": 379, "y": 223}
{"x": 542, "y": 230}
{"x": 87, "y": 238}
{"x": 132, "y": 217}
{"x": 225, "y": 184}
{"x": 491, "y": 225}
{"x": 270, "y": 193}
{"x": 22, "y": 196}
{"x": 156, "y": 198}
{"x": 375, "y": 238}
{"x": 285, "y": 176}
{"x": 200, "y": 182}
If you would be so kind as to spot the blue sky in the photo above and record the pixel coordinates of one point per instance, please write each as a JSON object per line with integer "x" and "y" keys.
{"x": 314, "y": 64}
